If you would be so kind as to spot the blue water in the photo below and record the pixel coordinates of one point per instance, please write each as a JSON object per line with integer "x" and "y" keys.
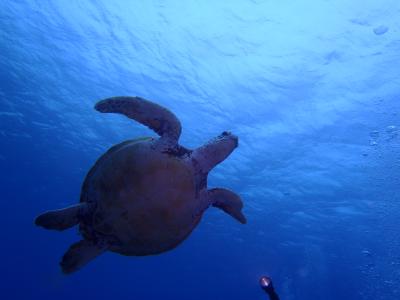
{"x": 312, "y": 89}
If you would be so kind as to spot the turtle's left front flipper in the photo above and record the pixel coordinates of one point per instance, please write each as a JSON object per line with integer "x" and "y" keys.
{"x": 228, "y": 201}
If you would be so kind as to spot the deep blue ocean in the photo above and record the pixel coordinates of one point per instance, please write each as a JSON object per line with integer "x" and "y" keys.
{"x": 312, "y": 89}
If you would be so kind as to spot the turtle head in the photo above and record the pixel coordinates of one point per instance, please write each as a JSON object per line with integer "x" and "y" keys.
{"x": 215, "y": 151}
{"x": 228, "y": 140}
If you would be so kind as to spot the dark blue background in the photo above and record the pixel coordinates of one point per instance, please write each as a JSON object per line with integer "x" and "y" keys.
{"x": 311, "y": 87}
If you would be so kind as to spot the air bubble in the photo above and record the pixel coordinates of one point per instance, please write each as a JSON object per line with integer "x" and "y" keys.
{"x": 366, "y": 253}
{"x": 391, "y": 129}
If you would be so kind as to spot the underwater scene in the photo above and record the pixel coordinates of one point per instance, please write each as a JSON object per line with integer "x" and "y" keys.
{"x": 170, "y": 149}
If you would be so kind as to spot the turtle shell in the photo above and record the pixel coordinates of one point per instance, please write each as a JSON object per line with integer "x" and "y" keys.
{"x": 142, "y": 201}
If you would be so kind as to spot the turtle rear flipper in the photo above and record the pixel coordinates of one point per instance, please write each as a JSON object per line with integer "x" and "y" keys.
{"x": 79, "y": 254}
{"x": 61, "y": 219}
{"x": 228, "y": 201}
{"x": 150, "y": 114}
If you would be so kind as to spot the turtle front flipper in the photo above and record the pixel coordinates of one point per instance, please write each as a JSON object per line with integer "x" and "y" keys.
{"x": 228, "y": 201}
{"x": 154, "y": 116}
{"x": 62, "y": 219}
{"x": 79, "y": 254}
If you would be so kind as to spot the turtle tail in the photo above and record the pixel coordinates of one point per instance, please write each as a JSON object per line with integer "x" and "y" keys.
{"x": 61, "y": 219}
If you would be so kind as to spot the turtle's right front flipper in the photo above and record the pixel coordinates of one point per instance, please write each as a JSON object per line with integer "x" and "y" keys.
{"x": 62, "y": 219}
{"x": 148, "y": 113}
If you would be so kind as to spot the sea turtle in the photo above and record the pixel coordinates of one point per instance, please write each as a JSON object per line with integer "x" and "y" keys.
{"x": 144, "y": 196}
